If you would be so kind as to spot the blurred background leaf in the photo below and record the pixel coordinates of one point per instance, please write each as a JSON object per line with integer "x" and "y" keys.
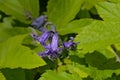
{"x": 13, "y": 74}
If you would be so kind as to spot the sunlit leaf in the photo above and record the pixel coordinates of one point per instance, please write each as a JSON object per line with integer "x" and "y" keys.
{"x": 13, "y": 54}
{"x": 22, "y": 10}
{"x": 31, "y": 7}
{"x": 51, "y": 75}
{"x": 12, "y": 7}
{"x": 75, "y": 26}
{"x": 98, "y": 35}
{"x": 2, "y": 76}
{"x": 7, "y": 30}
{"x": 60, "y": 12}
{"x": 109, "y": 11}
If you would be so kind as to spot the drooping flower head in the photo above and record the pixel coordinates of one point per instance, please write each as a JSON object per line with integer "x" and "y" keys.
{"x": 39, "y": 22}
{"x": 53, "y": 49}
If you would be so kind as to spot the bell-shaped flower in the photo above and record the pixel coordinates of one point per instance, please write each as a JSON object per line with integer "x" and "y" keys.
{"x": 43, "y": 38}
{"x": 52, "y": 50}
{"x": 38, "y": 22}
{"x": 70, "y": 44}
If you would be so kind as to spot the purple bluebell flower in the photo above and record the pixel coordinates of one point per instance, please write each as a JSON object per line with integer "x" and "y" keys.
{"x": 70, "y": 44}
{"x": 43, "y": 38}
{"x": 38, "y": 22}
{"x": 54, "y": 43}
{"x": 52, "y": 50}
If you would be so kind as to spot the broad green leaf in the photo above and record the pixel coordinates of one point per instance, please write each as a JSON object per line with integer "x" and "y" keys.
{"x": 75, "y": 26}
{"x": 101, "y": 74}
{"x": 31, "y": 7}
{"x": 109, "y": 11}
{"x": 101, "y": 67}
{"x": 20, "y": 9}
{"x": 2, "y": 76}
{"x": 98, "y": 35}
{"x": 51, "y": 75}
{"x": 88, "y": 4}
{"x": 80, "y": 70}
{"x": 13, "y": 7}
{"x": 7, "y": 30}
{"x": 13, "y": 54}
{"x": 13, "y": 74}
{"x": 94, "y": 72}
{"x": 60, "y": 12}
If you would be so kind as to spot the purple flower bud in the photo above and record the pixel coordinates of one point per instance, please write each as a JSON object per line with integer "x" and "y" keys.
{"x": 44, "y": 54}
{"x": 70, "y": 44}
{"x": 38, "y": 22}
{"x": 44, "y": 37}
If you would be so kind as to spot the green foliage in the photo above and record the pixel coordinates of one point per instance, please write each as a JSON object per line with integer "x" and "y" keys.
{"x": 20, "y": 9}
{"x": 2, "y": 76}
{"x": 51, "y": 75}
{"x": 98, "y": 35}
{"x": 13, "y": 53}
{"x": 63, "y": 10}
{"x": 109, "y": 11}
{"x": 7, "y": 30}
{"x": 95, "y": 24}
{"x": 13, "y": 74}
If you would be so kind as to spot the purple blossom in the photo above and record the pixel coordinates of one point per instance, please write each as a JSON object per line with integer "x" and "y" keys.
{"x": 52, "y": 49}
{"x": 70, "y": 44}
{"x": 43, "y": 38}
{"x": 38, "y": 22}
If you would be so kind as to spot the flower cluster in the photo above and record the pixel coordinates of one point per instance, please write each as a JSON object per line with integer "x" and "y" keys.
{"x": 50, "y": 40}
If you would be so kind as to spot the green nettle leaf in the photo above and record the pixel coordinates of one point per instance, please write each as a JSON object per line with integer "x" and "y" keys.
{"x": 109, "y": 11}
{"x": 7, "y": 30}
{"x": 13, "y": 54}
{"x": 20, "y": 9}
{"x": 98, "y": 35}
{"x": 31, "y": 7}
{"x": 12, "y": 7}
{"x": 2, "y": 76}
{"x": 75, "y": 26}
{"x": 14, "y": 74}
{"x": 95, "y": 72}
{"x": 89, "y": 4}
{"x": 60, "y": 12}
{"x": 51, "y": 75}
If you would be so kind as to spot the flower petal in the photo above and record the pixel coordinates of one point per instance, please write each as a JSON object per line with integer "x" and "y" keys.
{"x": 44, "y": 37}
{"x": 54, "y": 43}
{"x": 38, "y": 22}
